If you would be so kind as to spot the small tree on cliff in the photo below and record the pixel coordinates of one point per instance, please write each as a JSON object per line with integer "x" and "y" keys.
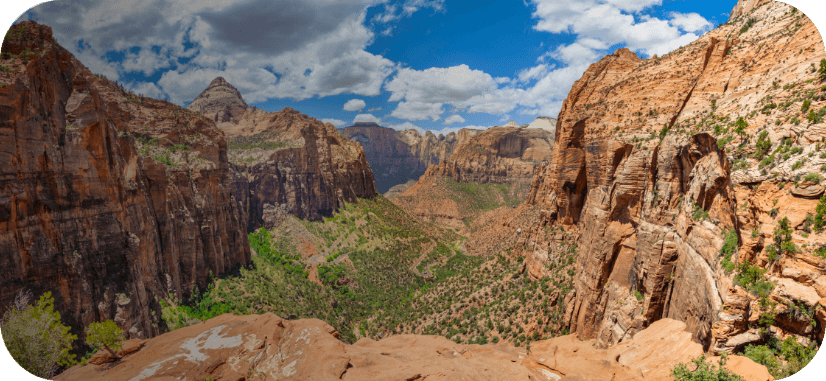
{"x": 820, "y": 214}
{"x": 35, "y": 336}
{"x": 105, "y": 335}
{"x": 822, "y": 71}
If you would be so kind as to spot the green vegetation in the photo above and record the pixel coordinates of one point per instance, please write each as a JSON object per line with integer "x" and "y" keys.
{"x": 35, "y": 336}
{"x": 749, "y": 23}
{"x": 822, "y": 71}
{"x": 820, "y": 214}
{"x": 782, "y": 243}
{"x": 105, "y": 335}
{"x": 729, "y": 248}
{"x": 704, "y": 371}
{"x": 699, "y": 214}
{"x": 483, "y": 197}
{"x": 813, "y": 178}
{"x": 268, "y": 140}
{"x": 763, "y": 145}
{"x": 781, "y": 358}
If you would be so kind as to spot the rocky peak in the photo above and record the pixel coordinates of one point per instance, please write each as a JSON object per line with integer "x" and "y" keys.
{"x": 220, "y": 101}
{"x": 744, "y": 6}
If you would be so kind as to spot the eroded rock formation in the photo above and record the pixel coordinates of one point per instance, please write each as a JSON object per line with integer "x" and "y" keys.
{"x": 266, "y": 347}
{"x": 397, "y": 157}
{"x": 501, "y": 157}
{"x": 285, "y": 162}
{"x": 107, "y": 200}
{"x": 656, "y": 159}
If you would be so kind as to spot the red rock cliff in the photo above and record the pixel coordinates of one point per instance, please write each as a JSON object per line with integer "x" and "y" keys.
{"x": 655, "y": 159}
{"x": 107, "y": 200}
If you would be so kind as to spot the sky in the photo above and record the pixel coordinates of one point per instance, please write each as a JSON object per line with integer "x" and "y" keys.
{"x": 436, "y": 65}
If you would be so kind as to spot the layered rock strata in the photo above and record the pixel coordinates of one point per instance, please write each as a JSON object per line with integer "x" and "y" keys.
{"x": 397, "y": 157}
{"x": 502, "y": 158}
{"x": 107, "y": 200}
{"x": 266, "y": 347}
{"x": 656, "y": 159}
{"x": 285, "y": 162}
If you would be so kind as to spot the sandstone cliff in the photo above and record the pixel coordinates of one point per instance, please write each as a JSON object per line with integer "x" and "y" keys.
{"x": 397, "y": 157}
{"x": 494, "y": 168}
{"x": 656, "y": 159}
{"x": 107, "y": 200}
{"x": 266, "y": 347}
{"x": 285, "y": 162}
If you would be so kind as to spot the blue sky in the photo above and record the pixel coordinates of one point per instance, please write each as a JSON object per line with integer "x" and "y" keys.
{"x": 427, "y": 64}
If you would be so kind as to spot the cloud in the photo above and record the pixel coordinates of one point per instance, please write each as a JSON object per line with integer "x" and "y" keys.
{"x": 284, "y": 49}
{"x": 612, "y": 22}
{"x": 398, "y": 10}
{"x": 367, "y": 118}
{"x": 335, "y": 122}
{"x": 690, "y": 22}
{"x": 374, "y": 109}
{"x": 454, "y": 119}
{"x": 425, "y": 91}
{"x": 354, "y": 105}
{"x": 410, "y": 126}
{"x": 418, "y": 111}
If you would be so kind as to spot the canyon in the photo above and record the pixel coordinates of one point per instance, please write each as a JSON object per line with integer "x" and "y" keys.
{"x": 667, "y": 213}
{"x": 397, "y": 157}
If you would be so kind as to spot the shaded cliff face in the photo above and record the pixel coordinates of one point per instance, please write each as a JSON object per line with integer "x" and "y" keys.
{"x": 494, "y": 168}
{"x": 106, "y": 199}
{"x": 655, "y": 160}
{"x": 266, "y": 347}
{"x": 286, "y": 162}
{"x": 397, "y": 157}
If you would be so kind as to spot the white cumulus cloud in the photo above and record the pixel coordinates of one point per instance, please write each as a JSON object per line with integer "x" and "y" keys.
{"x": 354, "y": 105}
{"x": 367, "y": 118}
{"x": 454, "y": 119}
{"x": 335, "y": 122}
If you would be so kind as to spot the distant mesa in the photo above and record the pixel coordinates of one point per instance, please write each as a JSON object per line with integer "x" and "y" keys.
{"x": 511, "y": 124}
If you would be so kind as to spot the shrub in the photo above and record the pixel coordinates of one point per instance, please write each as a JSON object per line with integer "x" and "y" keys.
{"x": 638, "y": 295}
{"x": 813, "y": 178}
{"x": 749, "y": 23}
{"x": 729, "y": 247}
{"x": 806, "y": 104}
{"x": 820, "y": 214}
{"x": 822, "y": 71}
{"x": 35, "y": 336}
{"x": 105, "y": 335}
{"x": 704, "y": 371}
{"x": 764, "y": 144}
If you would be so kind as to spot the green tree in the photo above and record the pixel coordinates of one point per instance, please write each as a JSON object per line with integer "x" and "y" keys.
{"x": 35, "y": 336}
{"x": 105, "y": 335}
{"x": 704, "y": 371}
{"x": 820, "y": 214}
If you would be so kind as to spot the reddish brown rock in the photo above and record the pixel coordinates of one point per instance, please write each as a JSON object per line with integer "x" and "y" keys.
{"x": 397, "y": 157}
{"x": 503, "y": 157}
{"x": 643, "y": 172}
{"x": 285, "y": 162}
{"x": 107, "y": 200}
{"x": 266, "y": 347}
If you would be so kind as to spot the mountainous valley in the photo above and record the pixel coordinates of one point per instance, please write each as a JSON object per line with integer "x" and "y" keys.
{"x": 672, "y": 215}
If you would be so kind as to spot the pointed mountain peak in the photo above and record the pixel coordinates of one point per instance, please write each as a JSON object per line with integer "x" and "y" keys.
{"x": 220, "y": 101}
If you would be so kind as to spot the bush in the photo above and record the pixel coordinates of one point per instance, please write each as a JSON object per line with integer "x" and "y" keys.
{"x": 35, "y": 336}
{"x": 638, "y": 295}
{"x": 729, "y": 247}
{"x": 105, "y": 335}
{"x": 704, "y": 371}
{"x": 813, "y": 178}
{"x": 820, "y": 214}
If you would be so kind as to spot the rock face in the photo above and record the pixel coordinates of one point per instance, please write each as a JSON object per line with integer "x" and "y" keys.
{"x": 107, "y": 200}
{"x": 640, "y": 175}
{"x": 220, "y": 102}
{"x": 502, "y": 157}
{"x": 266, "y": 347}
{"x": 397, "y": 157}
{"x": 285, "y": 162}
